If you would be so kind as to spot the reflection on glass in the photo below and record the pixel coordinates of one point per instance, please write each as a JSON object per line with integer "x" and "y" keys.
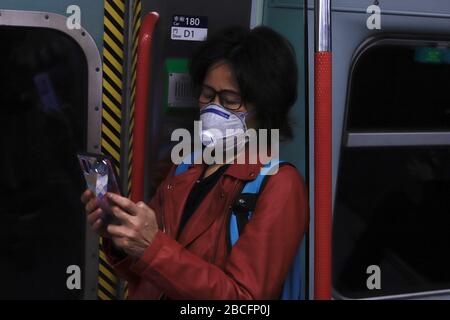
{"x": 43, "y": 94}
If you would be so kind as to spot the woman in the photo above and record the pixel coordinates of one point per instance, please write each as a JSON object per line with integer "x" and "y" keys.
{"x": 176, "y": 247}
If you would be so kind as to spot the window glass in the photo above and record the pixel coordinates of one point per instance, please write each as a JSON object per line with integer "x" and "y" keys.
{"x": 43, "y": 102}
{"x": 392, "y": 204}
{"x": 398, "y": 87}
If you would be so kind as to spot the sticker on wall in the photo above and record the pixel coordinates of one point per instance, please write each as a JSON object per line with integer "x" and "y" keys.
{"x": 189, "y": 28}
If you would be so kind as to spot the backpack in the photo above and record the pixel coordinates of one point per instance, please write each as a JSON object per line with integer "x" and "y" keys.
{"x": 242, "y": 213}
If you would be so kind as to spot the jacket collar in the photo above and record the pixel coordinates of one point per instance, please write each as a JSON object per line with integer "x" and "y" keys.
{"x": 240, "y": 171}
{"x": 244, "y": 171}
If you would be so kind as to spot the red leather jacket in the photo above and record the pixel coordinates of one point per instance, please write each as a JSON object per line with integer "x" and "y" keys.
{"x": 198, "y": 265}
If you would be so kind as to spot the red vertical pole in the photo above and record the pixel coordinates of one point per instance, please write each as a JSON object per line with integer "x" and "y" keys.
{"x": 143, "y": 77}
{"x": 322, "y": 151}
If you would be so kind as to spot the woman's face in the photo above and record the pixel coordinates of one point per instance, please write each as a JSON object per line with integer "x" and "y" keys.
{"x": 220, "y": 79}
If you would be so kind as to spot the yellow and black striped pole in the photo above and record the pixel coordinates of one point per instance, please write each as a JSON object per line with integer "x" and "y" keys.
{"x": 113, "y": 93}
{"x": 135, "y": 28}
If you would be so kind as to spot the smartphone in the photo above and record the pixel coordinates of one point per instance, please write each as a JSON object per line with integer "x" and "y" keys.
{"x": 101, "y": 177}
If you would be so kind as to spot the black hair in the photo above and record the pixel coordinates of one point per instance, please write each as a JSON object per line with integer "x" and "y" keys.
{"x": 265, "y": 68}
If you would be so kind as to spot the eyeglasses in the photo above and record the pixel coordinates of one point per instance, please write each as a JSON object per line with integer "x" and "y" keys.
{"x": 228, "y": 99}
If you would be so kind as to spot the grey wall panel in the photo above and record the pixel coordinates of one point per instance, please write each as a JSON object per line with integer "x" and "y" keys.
{"x": 438, "y": 7}
{"x": 349, "y": 31}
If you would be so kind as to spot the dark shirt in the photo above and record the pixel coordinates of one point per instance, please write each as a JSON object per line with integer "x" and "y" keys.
{"x": 198, "y": 193}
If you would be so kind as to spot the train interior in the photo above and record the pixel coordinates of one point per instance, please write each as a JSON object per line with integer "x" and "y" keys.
{"x": 391, "y": 133}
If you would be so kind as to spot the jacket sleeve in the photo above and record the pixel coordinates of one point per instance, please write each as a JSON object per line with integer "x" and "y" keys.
{"x": 258, "y": 263}
{"x": 122, "y": 263}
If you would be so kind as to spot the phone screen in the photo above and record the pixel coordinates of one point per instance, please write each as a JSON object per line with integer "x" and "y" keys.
{"x": 100, "y": 178}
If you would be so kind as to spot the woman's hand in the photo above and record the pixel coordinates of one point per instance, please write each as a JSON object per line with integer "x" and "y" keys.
{"x": 138, "y": 225}
{"x": 94, "y": 213}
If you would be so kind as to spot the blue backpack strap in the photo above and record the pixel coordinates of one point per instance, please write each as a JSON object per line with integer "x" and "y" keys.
{"x": 292, "y": 288}
{"x": 181, "y": 168}
{"x": 251, "y": 187}
{"x": 185, "y": 164}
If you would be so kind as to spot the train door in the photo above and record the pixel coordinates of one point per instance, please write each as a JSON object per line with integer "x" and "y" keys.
{"x": 50, "y": 109}
{"x": 289, "y": 18}
{"x": 391, "y": 127}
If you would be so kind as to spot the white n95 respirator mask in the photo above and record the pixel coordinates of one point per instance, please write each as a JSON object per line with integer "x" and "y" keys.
{"x": 222, "y": 127}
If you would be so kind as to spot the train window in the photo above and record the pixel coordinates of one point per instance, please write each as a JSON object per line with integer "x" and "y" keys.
{"x": 43, "y": 99}
{"x": 392, "y": 204}
{"x": 401, "y": 86}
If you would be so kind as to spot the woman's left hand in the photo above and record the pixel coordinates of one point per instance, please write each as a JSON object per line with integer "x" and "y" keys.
{"x": 138, "y": 225}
